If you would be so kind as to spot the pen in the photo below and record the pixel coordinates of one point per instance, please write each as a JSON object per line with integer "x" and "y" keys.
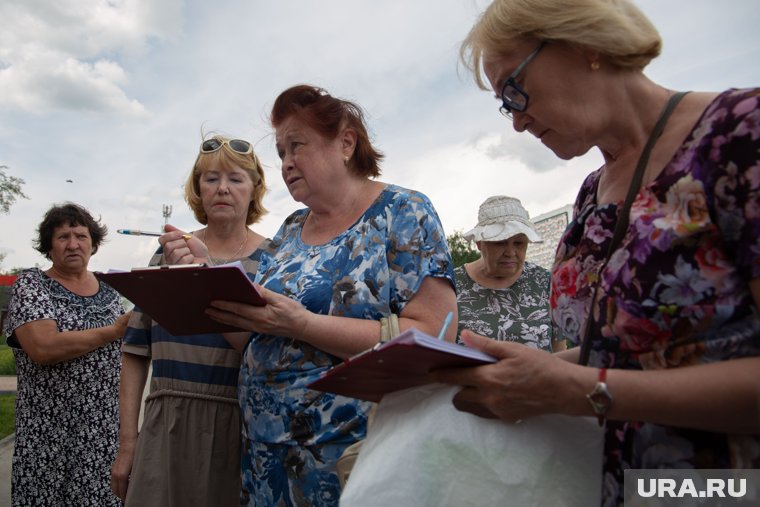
{"x": 445, "y": 326}
{"x": 135, "y": 232}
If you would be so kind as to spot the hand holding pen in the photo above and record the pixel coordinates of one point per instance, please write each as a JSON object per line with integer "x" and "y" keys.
{"x": 181, "y": 247}
{"x": 137, "y": 232}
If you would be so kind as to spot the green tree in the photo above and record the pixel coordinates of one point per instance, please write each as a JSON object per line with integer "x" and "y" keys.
{"x": 10, "y": 190}
{"x": 462, "y": 250}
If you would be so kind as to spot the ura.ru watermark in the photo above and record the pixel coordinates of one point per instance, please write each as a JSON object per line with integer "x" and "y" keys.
{"x": 709, "y": 488}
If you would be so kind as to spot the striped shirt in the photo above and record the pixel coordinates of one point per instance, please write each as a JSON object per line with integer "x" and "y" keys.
{"x": 203, "y": 363}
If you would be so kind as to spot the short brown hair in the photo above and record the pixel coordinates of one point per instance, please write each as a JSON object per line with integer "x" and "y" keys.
{"x": 67, "y": 214}
{"x": 328, "y": 115}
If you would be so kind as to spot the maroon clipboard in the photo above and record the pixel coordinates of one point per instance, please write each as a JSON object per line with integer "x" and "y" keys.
{"x": 177, "y": 296}
{"x": 397, "y": 364}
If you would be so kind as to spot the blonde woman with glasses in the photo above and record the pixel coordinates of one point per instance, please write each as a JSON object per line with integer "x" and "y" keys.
{"x": 359, "y": 251}
{"x": 657, "y": 276}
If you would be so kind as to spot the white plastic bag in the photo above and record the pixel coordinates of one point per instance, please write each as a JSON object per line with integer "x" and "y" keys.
{"x": 421, "y": 451}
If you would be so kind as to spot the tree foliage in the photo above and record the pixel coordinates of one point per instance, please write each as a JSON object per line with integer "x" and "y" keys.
{"x": 462, "y": 250}
{"x": 11, "y": 271}
{"x": 10, "y": 190}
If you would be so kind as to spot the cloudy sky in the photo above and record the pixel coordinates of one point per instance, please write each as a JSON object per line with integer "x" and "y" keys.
{"x": 113, "y": 95}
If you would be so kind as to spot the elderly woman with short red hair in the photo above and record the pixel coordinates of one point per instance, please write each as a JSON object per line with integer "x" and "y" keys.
{"x": 360, "y": 251}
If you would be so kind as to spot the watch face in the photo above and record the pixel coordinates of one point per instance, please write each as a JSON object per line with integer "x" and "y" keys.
{"x": 600, "y": 398}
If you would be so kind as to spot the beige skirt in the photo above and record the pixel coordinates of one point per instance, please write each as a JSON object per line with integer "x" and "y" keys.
{"x": 188, "y": 452}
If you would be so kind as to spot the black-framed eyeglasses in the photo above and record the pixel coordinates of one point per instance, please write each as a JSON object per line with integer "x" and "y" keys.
{"x": 236, "y": 145}
{"x": 513, "y": 97}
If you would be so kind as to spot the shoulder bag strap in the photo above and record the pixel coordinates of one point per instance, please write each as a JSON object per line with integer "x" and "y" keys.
{"x": 623, "y": 217}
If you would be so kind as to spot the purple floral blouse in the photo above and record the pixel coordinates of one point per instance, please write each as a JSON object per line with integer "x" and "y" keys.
{"x": 675, "y": 292}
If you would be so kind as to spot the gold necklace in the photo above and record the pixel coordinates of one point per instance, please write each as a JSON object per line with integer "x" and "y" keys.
{"x": 217, "y": 260}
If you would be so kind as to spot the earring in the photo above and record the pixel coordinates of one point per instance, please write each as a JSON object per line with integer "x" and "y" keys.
{"x": 345, "y": 161}
{"x": 595, "y": 65}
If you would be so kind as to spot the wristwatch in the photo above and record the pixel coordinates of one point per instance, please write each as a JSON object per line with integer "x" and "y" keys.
{"x": 600, "y": 398}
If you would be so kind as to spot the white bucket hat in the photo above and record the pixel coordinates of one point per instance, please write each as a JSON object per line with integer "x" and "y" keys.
{"x": 501, "y": 217}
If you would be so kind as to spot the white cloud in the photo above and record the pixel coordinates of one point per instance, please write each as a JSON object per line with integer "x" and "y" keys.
{"x": 60, "y": 55}
{"x": 459, "y": 177}
{"x": 53, "y": 81}
{"x": 149, "y": 74}
{"x": 523, "y": 147}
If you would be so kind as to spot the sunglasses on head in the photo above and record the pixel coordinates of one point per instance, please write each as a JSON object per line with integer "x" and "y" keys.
{"x": 236, "y": 145}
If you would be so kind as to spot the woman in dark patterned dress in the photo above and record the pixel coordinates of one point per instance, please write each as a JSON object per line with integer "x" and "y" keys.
{"x": 65, "y": 327}
{"x": 674, "y": 344}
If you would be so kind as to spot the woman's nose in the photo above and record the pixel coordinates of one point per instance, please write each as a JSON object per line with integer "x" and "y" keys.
{"x": 287, "y": 163}
{"x": 519, "y": 121}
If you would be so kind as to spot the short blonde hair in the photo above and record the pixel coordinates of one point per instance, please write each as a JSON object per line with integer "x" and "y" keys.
{"x": 616, "y": 29}
{"x": 227, "y": 159}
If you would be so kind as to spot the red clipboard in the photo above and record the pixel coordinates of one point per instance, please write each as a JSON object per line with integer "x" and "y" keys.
{"x": 177, "y": 296}
{"x": 397, "y": 364}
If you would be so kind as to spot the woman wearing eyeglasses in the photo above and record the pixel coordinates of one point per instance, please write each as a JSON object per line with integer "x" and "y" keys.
{"x": 664, "y": 307}
{"x": 188, "y": 448}
{"x": 359, "y": 251}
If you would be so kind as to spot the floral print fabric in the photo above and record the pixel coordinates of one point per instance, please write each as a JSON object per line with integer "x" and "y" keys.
{"x": 67, "y": 414}
{"x": 675, "y": 291}
{"x": 293, "y": 435}
{"x": 519, "y": 313}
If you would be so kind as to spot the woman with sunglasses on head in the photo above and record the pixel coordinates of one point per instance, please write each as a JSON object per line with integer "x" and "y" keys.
{"x": 663, "y": 306}
{"x": 360, "y": 251}
{"x": 188, "y": 448}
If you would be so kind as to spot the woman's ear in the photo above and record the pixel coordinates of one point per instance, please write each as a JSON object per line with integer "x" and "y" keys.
{"x": 348, "y": 142}
{"x": 592, "y": 57}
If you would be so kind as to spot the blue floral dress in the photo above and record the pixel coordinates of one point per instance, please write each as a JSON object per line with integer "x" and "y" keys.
{"x": 292, "y": 435}
{"x": 675, "y": 292}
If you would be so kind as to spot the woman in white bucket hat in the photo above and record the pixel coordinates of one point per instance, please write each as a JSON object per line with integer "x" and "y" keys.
{"x": 500, "y": 295}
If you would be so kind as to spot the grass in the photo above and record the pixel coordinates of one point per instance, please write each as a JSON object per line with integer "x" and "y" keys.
{"x": 7, "y": 401}
{"x": 7, "y": 414}
{"x": 7, "y": 363}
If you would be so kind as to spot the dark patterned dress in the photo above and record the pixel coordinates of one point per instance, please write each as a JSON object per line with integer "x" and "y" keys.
{"x": 519, "y": 313}
{"x": 67, "y": 414}
{"x": 675, "y": 293}
{"x": 292, "y": 435}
